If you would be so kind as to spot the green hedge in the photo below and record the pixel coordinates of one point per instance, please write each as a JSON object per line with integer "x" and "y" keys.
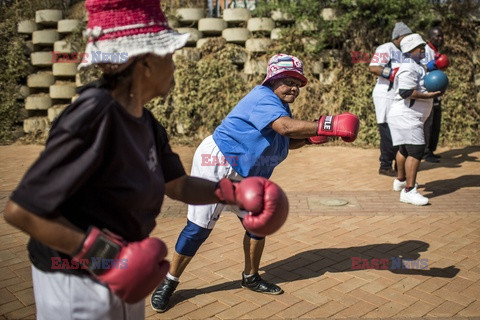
{"x": 206, "y": 90}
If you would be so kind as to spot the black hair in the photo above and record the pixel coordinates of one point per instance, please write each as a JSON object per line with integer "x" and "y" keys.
{"x": 432, "y": 30}
{"x": 269, "y": 84}
{"x": 111, "y": 80}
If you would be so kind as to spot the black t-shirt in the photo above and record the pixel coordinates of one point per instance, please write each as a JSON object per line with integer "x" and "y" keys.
{"x": 101, "y": 166}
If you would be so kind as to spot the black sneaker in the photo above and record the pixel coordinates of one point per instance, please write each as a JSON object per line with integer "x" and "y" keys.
{"x": 432, "y": 159}
{"x": 161, "y": 295}
{"x": 257, "y": 284}
{"x": 387, "y": 172}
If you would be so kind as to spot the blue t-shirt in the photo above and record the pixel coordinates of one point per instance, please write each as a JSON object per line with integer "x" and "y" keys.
{"x": 245, "y": 137}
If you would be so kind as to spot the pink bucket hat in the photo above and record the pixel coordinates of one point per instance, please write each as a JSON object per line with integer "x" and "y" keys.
{"x": 283, "y": 65}
{"x": 120, "y": 29}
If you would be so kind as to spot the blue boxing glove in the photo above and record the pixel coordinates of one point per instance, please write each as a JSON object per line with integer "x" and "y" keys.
{"x": 431, "y": 65}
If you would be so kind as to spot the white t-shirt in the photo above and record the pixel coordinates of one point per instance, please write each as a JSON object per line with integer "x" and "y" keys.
{"x": 429, "y": 55}
{"x": 407, "y": 116}
{"x": 383, "y": 55}
{"x": 386, "y": 54}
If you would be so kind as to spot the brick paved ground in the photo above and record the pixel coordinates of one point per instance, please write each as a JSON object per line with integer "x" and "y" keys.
{"x": 310, "y": 257}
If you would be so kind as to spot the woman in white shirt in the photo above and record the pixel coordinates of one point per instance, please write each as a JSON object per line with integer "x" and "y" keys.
{"x": 411, "y": 107}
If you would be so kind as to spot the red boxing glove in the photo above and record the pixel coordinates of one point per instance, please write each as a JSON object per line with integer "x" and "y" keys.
{"x": 344, "y": 125}
{"x": 318, "y": 140}
{"x": 265, "y": 201}
{"x": 441, "y": 61}
{"x": 131, "y": 270}
{"x": 393, "y": 74}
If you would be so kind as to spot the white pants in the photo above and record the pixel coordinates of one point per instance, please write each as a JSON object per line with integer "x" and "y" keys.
{"x": 68, "y": 297}
{"x": 205, "y": 166}
{"x": 382, "y": 107}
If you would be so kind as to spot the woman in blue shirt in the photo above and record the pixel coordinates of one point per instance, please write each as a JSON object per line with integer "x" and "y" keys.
{"x": 252, "y": 140}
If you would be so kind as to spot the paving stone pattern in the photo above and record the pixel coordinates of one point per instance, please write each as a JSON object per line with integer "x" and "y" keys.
{"x": 311, "y": 256}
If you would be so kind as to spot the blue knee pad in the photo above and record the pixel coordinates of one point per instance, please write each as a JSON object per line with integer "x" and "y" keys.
{"x": 191, "y": 238}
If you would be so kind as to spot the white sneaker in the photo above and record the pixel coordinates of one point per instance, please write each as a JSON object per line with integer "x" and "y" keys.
{"x": 399, "y": 185}
{"x": 413, "y": 197}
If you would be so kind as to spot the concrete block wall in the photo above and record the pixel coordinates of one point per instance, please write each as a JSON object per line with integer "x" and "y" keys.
{"x": 51, "y": 85}
{"x": 253, "y": 33}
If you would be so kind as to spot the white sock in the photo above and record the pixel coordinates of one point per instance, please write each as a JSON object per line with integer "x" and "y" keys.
{"x": 170, "y": 277}
{"x": 248, "y": 275}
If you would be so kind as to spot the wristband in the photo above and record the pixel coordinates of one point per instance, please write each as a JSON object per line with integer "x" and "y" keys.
{"x": 326, "y": 125}
{"x": 100, "y": 246}
{"x": 386, "y": 72}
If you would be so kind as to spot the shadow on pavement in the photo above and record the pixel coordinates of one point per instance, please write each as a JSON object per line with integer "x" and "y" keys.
{"x": 452, "y": 158}
{"x": 182, "y": 295}
{"x": 400, "y": 258}
{"x": 441, "y": 187}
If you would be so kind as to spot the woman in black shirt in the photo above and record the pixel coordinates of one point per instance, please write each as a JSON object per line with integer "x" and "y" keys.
{"x": 90, "y": 200}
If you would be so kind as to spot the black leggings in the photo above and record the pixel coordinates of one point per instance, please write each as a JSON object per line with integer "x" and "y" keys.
{"x": 412, "y": 150}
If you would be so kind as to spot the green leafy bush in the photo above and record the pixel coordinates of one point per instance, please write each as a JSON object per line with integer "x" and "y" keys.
{"x": 361, "y": 26}
{"x": 207, "y": 89}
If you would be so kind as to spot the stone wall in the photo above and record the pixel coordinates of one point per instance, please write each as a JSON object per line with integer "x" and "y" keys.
{"x": 51, "y": 86}
{"x": 237, "y": 26}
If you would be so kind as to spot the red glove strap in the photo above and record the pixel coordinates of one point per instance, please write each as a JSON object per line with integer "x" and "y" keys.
{"x": 318, "y": 139}
{"x": 225, "y": 191}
